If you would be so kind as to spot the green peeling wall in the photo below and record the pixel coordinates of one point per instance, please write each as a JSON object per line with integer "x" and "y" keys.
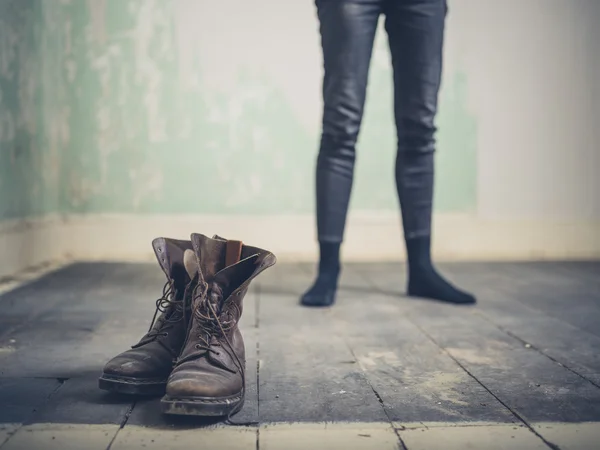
{"x": 104, "y": 109}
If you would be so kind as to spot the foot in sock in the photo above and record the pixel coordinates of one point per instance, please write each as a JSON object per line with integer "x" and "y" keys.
{"x": 322, "y": 292}
{"x": 428, "y": 283}
{"x": 425, "y": 281}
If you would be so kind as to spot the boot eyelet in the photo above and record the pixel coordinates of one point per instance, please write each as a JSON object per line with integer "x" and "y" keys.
{"x": 197, "y": 347}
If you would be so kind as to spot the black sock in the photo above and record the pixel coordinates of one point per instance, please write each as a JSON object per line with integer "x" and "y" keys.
{"x": 322, "y": 292}
{"x": 424, "y": 280}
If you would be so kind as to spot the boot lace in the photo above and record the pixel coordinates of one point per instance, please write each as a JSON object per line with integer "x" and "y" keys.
{"x": 173, "y": 310}
{"x": 211, "y": 322}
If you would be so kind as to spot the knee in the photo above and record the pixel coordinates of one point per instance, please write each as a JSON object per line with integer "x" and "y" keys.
{"x": 336, "y": 150}
{"x": 342, "y": 113}
{"x": 416, "y": 134}
{"x": 338, "y": 139}
{"x": 341, "y": 125}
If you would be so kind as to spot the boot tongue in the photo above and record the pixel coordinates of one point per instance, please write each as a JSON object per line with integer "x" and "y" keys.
{"x": 210, "y": 254}
{"x": 215, "y": 259}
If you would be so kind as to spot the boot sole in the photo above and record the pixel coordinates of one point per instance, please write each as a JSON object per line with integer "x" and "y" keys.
{"x": 202, "y": 406}
{"x": 132, "y": 386}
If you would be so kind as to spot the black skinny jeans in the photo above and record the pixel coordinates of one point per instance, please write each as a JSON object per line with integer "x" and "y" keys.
{"x": 415, "y": 31}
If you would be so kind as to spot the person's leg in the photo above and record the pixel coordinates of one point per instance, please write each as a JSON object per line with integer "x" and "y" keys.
{"x": 347, "y": 33}
{"x": 416, "y": 35}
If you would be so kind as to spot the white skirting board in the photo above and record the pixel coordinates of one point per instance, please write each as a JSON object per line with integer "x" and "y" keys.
{"x": 26, "y": 244}
{"x": 369, "y": 237}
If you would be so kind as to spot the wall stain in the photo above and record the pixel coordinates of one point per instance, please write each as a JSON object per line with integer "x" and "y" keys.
{"x": 103, "y": 110}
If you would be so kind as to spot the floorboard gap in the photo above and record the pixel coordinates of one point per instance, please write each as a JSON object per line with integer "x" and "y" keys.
{"x": 122, "y": 424}
{"x": 533, "y": 347}
{"x": 401, "y": 444}
{"x": 512, "y": 411}
{"x": 257, "y": 320}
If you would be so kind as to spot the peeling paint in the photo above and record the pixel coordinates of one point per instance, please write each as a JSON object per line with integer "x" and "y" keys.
{"x": 97, "y": 9}
{"x": 23, "y": 170}
{"x": 124, "y": 106}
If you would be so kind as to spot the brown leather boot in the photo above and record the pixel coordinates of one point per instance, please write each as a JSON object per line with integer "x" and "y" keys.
{"x": 208, "y": 378}
{"x": 144, "y": 368}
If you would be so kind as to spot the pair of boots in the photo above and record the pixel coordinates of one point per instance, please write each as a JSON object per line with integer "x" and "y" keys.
{"x": 193, "y": 352}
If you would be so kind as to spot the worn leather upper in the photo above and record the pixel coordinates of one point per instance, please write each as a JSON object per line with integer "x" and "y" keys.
{"x": 152, "y": 357}
{"x": 212, "y": 361}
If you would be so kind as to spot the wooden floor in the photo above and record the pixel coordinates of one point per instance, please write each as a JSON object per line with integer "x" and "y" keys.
{"x": 527, "y": 355}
